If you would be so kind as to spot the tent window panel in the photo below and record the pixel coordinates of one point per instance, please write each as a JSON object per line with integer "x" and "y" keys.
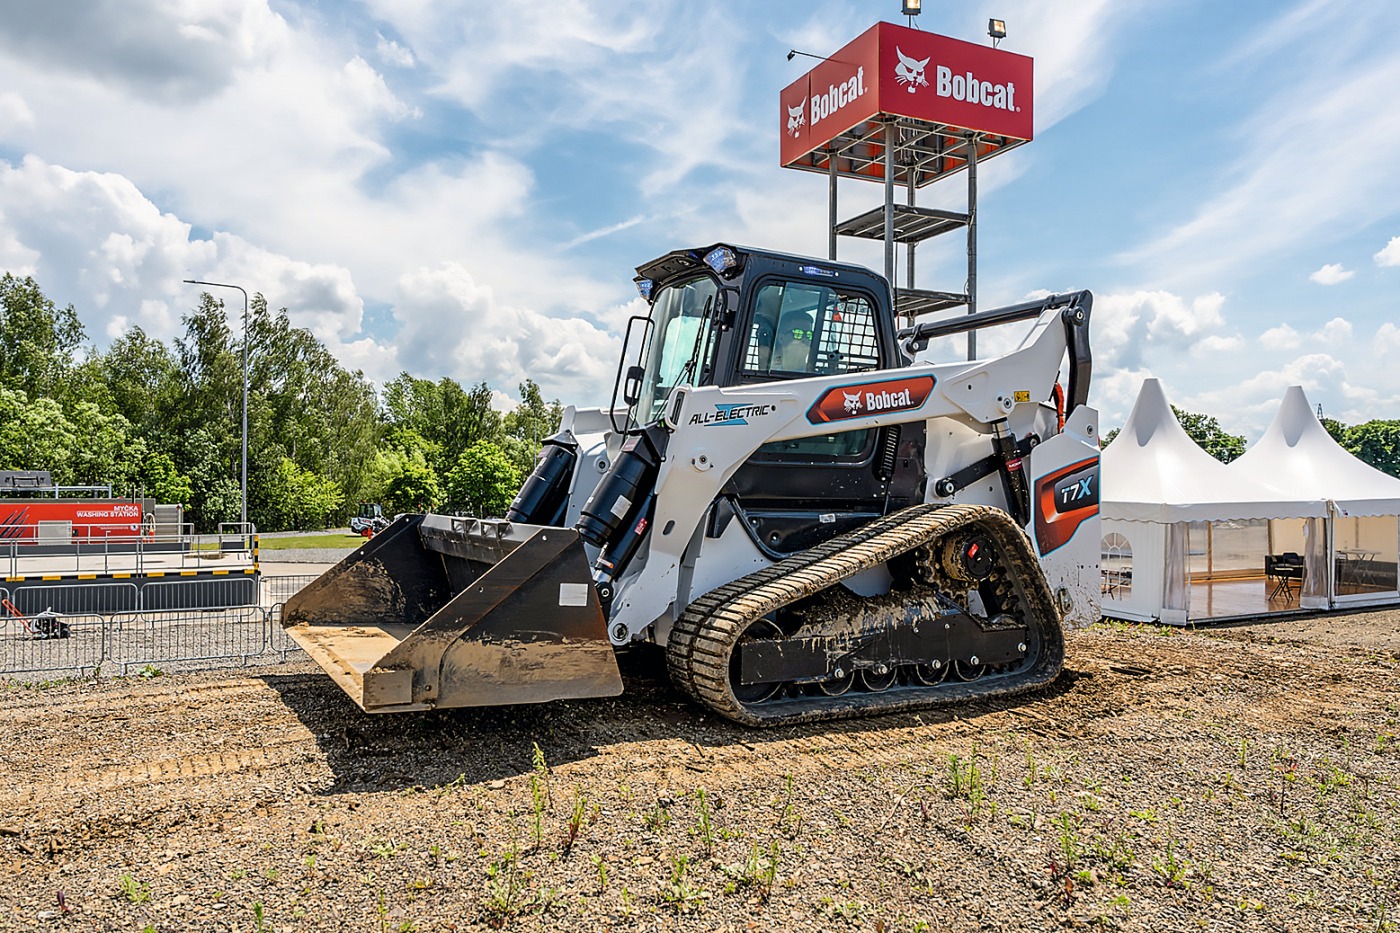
{"x": 1315, "y": 579}
{"x": 1229, "y": 549}
{"x": 1198, "y": 548}
{"x": 1288, "y": 535}
{"x": 1365, "y": 554}
{"x": 1116, "y": 566}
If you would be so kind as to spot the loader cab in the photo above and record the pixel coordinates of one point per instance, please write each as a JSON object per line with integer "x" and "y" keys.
{"x": 731, "y": 316}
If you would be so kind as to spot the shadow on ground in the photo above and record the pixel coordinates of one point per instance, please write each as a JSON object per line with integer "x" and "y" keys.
{"x": 402, "y": 750}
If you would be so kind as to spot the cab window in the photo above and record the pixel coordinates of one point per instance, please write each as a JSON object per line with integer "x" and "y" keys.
{"x": 804, "y": 329}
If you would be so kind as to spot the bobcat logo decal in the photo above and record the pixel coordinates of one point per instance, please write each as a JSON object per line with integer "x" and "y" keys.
{"x": 910, "y": 71}
{"x": 852, "y": 402}
{"x": 796, "y": 118}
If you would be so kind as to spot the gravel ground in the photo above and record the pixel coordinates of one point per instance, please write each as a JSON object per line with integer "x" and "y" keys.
{"x": 1233, "y": 779}
{"x": 304, "y": 555}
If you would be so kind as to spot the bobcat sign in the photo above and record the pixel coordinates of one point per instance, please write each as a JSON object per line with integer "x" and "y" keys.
{"x": 895, "y": 71}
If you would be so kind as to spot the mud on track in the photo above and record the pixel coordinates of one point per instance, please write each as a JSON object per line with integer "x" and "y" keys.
{"x": 1244, "y": 778}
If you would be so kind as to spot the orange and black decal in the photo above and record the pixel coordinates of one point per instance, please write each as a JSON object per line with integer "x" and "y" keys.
{"x": 1063, "y": 500}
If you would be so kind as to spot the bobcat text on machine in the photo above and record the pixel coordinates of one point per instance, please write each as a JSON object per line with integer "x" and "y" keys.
{"x": 810, "y": 520}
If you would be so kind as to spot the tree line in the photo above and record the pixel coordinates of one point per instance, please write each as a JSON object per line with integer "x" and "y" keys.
{"x": 165, "y": 421}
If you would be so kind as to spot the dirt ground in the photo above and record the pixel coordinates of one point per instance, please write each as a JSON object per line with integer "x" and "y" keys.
{"x": 1237, "y": 778}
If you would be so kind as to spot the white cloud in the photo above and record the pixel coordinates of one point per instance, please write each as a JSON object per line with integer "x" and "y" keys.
{"x": 1352, "y": 376}
{"x": 168, "y": 52}
{"x": 1130, "y": 327}
{"x": 478, "y": 49}
{"x": 391, "y": 53}
{"x": 1285, "y": 337}
{"x": 1389, "y": 255}
{"x": 1264, "y": 388}
{"x": 1387, "y": 338}
{"x": 1282, "y": 337}
{"x": 14, "y": 112}
{"x": 121, "y": 261}
{"x": 1335, "y": 331}
{"x": 1219, "y": 344}
{"x": 455, "y": 325}
{"x": 1073, "y": 46}
{"x": 1331, "y": 274}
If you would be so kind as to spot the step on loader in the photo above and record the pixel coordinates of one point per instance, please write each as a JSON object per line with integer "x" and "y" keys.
{"x": 812, "y": 518}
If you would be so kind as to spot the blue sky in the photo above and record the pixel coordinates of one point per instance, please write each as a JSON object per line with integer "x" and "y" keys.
{"x": 464, "y": 188}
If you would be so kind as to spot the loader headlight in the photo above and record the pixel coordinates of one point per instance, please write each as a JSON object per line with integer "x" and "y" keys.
{"x": 722, "y": 259}
{"x": 644, "y": 287}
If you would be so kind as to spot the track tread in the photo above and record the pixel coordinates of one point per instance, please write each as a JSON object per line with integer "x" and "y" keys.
{"x": 703, "y": 638}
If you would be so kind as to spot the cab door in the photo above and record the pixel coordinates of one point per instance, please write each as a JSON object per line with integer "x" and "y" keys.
{"x": 792, "y": 495}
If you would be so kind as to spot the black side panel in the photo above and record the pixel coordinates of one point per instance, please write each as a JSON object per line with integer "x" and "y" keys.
{"x": 790, "y": 505}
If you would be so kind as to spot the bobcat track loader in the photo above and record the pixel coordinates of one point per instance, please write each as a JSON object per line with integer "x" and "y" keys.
{"x": 812, "y": 520}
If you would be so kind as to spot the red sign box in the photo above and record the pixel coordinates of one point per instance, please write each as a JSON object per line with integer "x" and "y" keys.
{"x": 896, "y": 71}
{"x": 91, "y": 518}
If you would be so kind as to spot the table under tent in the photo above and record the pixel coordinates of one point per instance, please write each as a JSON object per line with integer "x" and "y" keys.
{"x": 1354, "y": 563}
{"x": 1185, "y": 539}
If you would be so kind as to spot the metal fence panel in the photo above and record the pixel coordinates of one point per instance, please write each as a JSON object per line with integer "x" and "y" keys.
{"x": 279, "y": 589}
{"x": 77, "y": 598}
{"x": 216, "y": 593}
{"x": 78, "y": 646}
{"x": 277, "y": 638}
{"x": 163, "y": 625}
{"x": 276, "y": 591}
{"x": 228, "y": 637}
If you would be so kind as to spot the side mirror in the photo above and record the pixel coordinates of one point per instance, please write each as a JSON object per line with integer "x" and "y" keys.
{"x": 632, "y": 386}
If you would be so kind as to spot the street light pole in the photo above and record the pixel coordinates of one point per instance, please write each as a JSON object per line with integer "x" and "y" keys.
{"x": 243, "y": 512}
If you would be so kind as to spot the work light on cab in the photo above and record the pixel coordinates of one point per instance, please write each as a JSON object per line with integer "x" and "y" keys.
{"x": 723, "y": 260}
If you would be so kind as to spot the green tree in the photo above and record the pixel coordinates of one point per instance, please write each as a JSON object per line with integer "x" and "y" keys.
{"x": 215, "y": 495}
{"x": 106, "y": 452}
{"x": 1206, "y": 431}
{"x": 208, "y": 418}
{"x": 160, "y": 480}
{"x": 412, "y": 486}
{"x": 34, "y": 435}
{"x": 309, "y": 408}
{"x": 297, "y": 498}
{"x": 1376, "y": 443}
{"x": 531, "y": 422}
{"x": 448, "y": 418}
{"x": 38, "y": 340}
{"x": 483, "y": 482}
{"x": 1336, "y": 429}
{"x": 142, "y": 378}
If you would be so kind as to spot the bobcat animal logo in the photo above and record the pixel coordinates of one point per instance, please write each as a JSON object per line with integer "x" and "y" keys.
{"x": 796, "y": 118}
{"x": 910, "y": 71}
{"x": 852, "y": 402}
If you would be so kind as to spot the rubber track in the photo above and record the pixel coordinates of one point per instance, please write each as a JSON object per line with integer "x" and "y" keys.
{"x": 703, "y": 639}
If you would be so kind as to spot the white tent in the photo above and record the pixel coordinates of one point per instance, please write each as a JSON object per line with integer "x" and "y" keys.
{"x": 1158, "y": 486}
{"x": 1298, "y": 456}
